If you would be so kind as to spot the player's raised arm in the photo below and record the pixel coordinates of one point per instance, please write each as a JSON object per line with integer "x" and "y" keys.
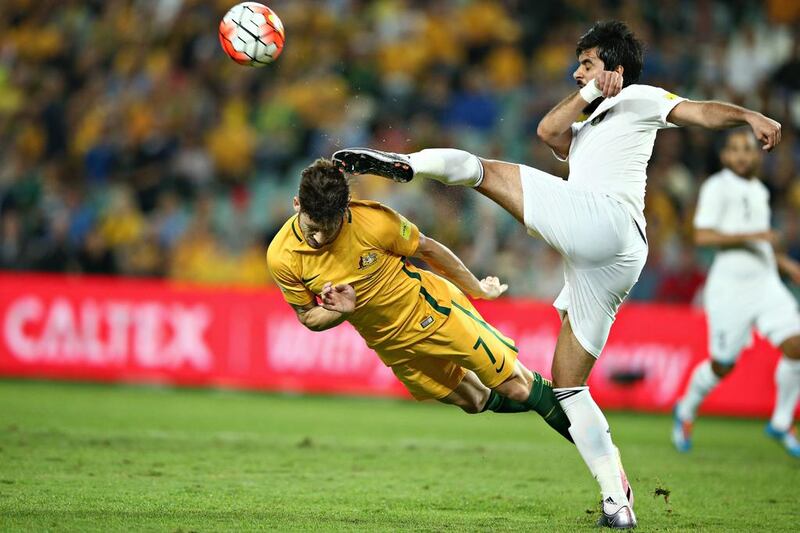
{"x": 599, "y": 74}
{"x": 721, "y": 115}
{"x": 555, "y": 129}
{"x": 444, "y": 262}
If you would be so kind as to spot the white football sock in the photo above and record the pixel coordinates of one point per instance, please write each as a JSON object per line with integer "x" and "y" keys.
{"x": 589, "y": 430}
{"x": 787, "y": 379}
{"x": 702, "y": 382}
{"x": 448, "y": 165}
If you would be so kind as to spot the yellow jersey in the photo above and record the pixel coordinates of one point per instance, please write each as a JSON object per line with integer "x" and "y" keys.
{"x": 397, "y": 304}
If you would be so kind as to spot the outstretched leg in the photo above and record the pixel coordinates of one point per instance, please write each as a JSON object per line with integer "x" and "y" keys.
{"x": 503, "y": 185}
{"x": 523, "y": 391}
{"x": 497, "y": 180}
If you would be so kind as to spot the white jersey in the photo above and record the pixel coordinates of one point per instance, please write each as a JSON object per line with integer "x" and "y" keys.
{"x": 731, "y": 204}
{"x": 743, "y": 289}
{"x": 611, "y": 148}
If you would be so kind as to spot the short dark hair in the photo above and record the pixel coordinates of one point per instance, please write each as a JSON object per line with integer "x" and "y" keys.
{"x": 616, "y": 46}
{"x": 324, "y": 192}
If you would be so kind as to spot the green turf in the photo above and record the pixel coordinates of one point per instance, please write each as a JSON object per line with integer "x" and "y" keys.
{"x": 84, "y": 457}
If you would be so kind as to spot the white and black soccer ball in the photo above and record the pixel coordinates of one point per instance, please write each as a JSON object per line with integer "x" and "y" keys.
{"x": 251, "y": 34}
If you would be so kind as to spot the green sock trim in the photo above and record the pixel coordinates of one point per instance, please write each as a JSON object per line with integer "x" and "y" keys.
{"x": 492, "y": 402}
{"x": 537, "y": 390}
{"x": 498, "y": 403}
{"x": 543, "y": 400}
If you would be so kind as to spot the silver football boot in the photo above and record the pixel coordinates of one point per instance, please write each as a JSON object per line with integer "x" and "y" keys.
{"x": 617, "y": 516}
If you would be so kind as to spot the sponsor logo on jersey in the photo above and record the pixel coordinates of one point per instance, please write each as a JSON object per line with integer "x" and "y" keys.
{"x": 670, "y": 96}
{"x": 427, "y": 321}
{"x": 367, "y": 260}
{"x": 405, "y": 229}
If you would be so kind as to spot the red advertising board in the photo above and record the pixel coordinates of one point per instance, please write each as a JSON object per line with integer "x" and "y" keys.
{"x": 123, "y": 330}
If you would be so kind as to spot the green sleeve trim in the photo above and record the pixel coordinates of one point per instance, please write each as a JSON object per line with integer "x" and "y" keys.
{"x": 410, "y": 274}
{"x": 487, "y": 326}
{"x": 425, "y": 294}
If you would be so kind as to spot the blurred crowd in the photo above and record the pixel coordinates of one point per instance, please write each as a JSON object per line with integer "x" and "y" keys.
{"x": 131, "y": 145}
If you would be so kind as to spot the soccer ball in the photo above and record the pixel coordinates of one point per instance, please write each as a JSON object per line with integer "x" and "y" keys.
{"x": 251, "y": 34}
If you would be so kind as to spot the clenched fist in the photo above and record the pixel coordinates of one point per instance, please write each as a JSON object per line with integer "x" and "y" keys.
{"x": 766, "y": 130}
{"x": 340, "y": 298}
{"x": 609, "y": 82}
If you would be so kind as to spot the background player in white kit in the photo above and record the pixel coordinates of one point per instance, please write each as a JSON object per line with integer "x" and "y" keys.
{"x": 594, "y": 220}
{"x": 743, "y": 290}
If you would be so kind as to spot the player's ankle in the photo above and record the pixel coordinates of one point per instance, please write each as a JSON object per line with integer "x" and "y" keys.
{"x": 448, "y": 166}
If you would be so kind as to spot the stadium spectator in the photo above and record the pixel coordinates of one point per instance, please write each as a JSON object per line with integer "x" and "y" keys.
{"x": 131, "y": 145}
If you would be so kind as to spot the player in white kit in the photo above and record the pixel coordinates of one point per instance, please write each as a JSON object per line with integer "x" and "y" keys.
{"x": 743, "y": 290}
{"x": 595, "y": 219}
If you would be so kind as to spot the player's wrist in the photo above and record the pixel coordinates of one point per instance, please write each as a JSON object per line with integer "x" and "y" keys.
{"x": 590, "y": 92}
{"x": 476, "y": 292}
{"x": 751, "y": 117}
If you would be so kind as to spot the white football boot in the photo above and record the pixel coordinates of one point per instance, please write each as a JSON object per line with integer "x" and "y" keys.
{"x": 617, "y": 516}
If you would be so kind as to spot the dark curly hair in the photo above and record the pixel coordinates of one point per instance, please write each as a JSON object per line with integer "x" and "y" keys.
{"x": 324, "y": 192}
{"x": 616, "y": 46}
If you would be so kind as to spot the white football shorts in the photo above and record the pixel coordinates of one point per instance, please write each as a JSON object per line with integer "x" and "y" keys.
{"x": 604, "y": 251}
{"x": 734, "y": 309}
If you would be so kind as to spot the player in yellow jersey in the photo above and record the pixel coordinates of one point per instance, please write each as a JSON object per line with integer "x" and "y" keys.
{"x": 339, "y": 259}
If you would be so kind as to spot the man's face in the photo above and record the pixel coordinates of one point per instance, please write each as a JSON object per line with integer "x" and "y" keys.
{"x": 741, "y": 154}
{"x": 589, "y": 66}
{"x": 318, "y": 234}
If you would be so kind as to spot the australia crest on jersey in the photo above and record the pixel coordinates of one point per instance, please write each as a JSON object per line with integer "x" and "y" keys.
{"x": 367, "y": 260}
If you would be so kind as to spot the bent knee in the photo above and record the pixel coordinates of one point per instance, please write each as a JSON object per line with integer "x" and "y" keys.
{"x": 791, "y": 347}
{"x": 471, "y": 408}
{"x": 514, "y": 389}
{"x": 721, "y": 369}
{"x": 470, "y": 404}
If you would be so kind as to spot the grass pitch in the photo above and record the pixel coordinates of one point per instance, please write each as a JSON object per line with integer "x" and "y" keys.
{"x": 85, "y": 457}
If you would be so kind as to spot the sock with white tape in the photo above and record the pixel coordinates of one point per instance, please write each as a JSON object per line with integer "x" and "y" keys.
{"x": 448, "y": 166}
{"x": 592, "y": 436}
